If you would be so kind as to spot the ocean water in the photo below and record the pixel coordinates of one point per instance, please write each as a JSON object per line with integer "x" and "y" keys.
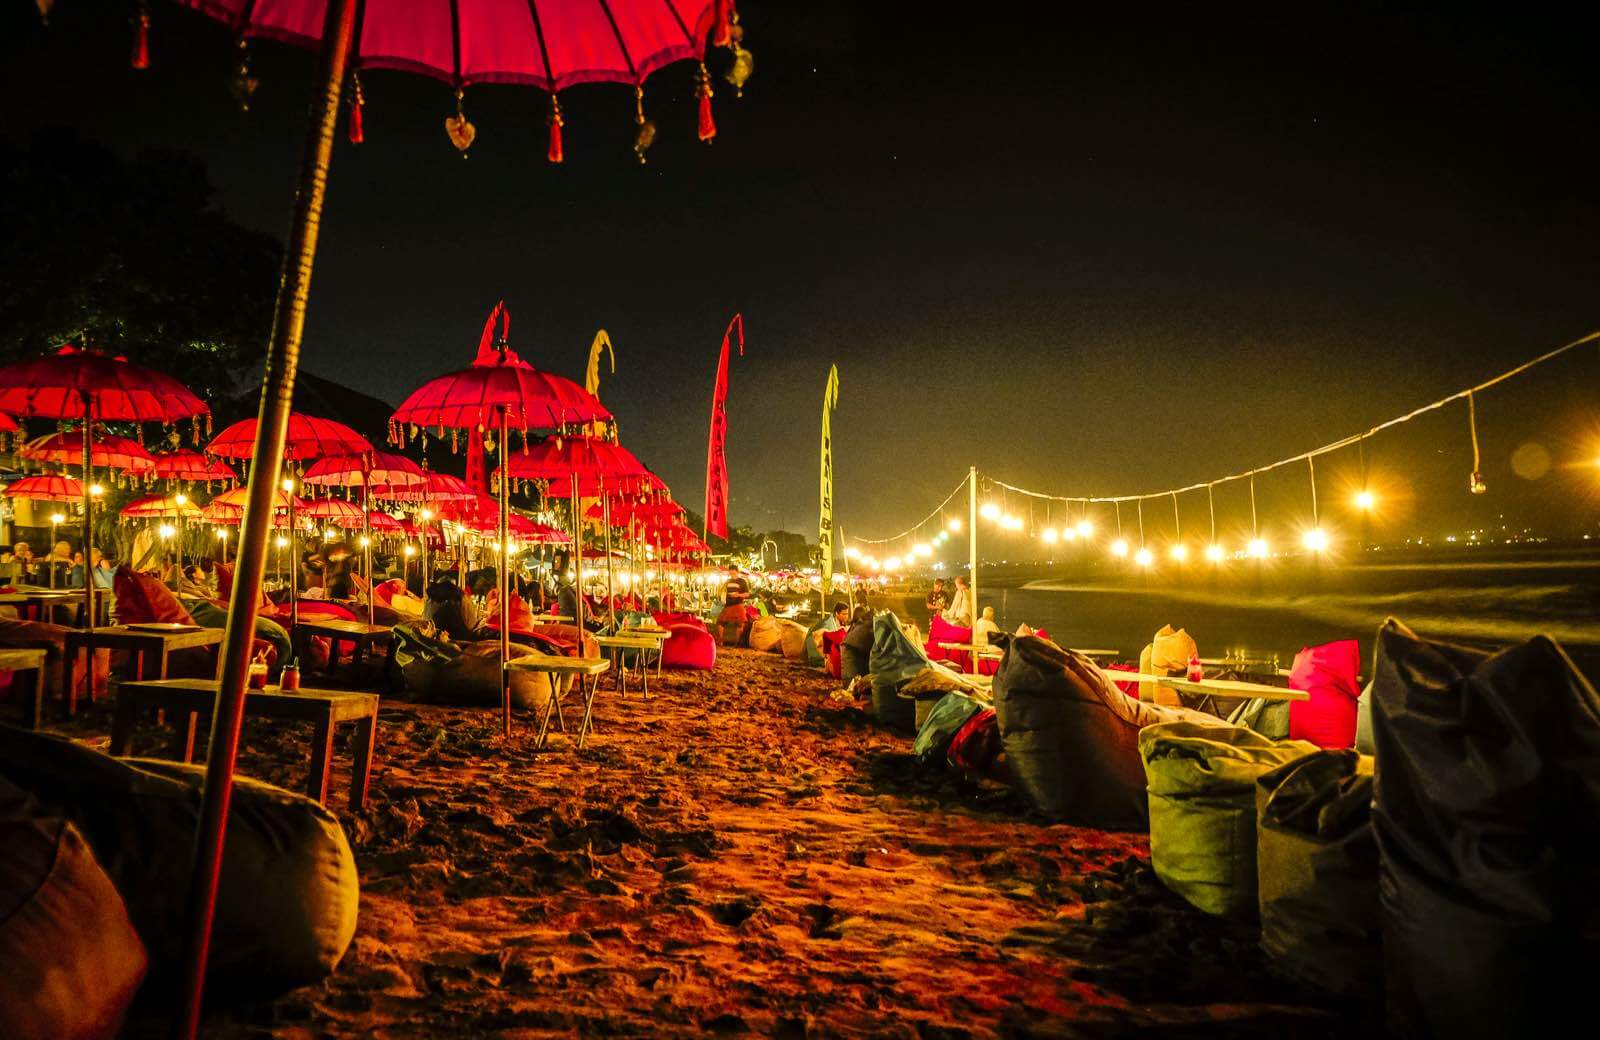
{"x": 1483, "y": 602}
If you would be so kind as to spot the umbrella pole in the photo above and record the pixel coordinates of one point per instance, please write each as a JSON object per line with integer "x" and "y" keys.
{"x": 505, "y": 578}
{"x": 294, "y": 559}
{"x": 277, "y": 390}
{"x": 88, "y": 526}
{"x": 366, "y": 541}
{"x": 611, "y": 593}
{"x": 577, "y": 562}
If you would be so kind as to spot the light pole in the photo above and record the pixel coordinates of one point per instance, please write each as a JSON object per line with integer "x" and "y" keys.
{"x": 56, "y": 520}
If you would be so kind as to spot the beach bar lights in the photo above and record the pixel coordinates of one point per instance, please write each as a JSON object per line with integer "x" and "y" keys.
{"x": 1315, "y": 540}
{"x": 1258, "y": 547}
{"x": 1119, "y": 547}
{"x": 1144, "y": 557}
{"x": 1365, "y": 500}
{"x": 1214, "y": 553}
{"x": 954, "y": 526}
{"x": 1085, "y": 529}
{"x": 1179, "y": 552}
{"x": 989, "y": 511}
{"x": 1050, "y": 536}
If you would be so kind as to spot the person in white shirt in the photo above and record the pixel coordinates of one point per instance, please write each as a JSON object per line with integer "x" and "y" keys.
{"x": 985, "y": 628}
{"x": 960, "y": 610}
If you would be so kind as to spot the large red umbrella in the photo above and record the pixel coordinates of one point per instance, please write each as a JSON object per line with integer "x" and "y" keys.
{"x": 500, "y": 392}
{"x": 476, "y": 41}
{"x": 47, "y": 487}
{"x": 8, "y": 424}
{"x": 166, "y": 506}
{"x": 108, "y": 450}
{"x": 93, "y": 387}
{"x": 192, "y": 465}
{"x": 345, "y": 514}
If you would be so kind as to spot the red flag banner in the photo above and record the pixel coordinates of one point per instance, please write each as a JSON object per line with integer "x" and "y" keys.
{"x": 716, "y": 464}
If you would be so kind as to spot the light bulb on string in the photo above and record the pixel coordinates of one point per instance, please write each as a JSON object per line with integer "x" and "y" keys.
{"x": 1119, "y": 548}
{"x": 1258, "y": 547}
{"x": 989, "y": 511}
{"x": 954, "y": 526}
{"x": 1085, "y": 529}
{"x": 1179, "y": 552}
{"x": 1214, "y": 553}
{"x": 1365, "y": 501}
{"x": 1049, "y": 536}
{"x": 1316, "y": 540}
{"x": 1144, "y": 557}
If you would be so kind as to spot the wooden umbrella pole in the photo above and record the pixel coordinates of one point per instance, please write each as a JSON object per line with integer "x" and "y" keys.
{"x": 366, "y": 540}
{"x": 88, "y": 521}
{"x": 611, "y": 593}
{"x": 272, "y": 425}
{"x": 577, "y": 562}
{"x": 505, "y": 579}
{"x": 972, "y": 544}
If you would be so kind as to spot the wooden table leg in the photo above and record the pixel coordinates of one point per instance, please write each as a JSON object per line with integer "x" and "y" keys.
{"x": 32, "y": 691}
{"x": 361, "y": 768}
{"x": 69, "y": 688}
{"x": 321, "y": 756}
{"x": 587, "y": 691}
{"x": 184, "y": 726}
{"x": 122, "y": 722}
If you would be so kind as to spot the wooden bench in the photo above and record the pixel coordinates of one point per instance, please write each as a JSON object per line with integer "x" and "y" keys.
{"x": 585, "y": 671}
{"x": 27, "y": 680}
{"x": 138, "y": 642}
{"x": 186, "y": 701}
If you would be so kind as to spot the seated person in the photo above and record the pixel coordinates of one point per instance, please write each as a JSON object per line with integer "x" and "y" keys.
{"x": 985, "y": 628}
{"x": 19, "y": 563}
{"x": 102, "y": 577}
{"x": 856, "y": 649}
{"x": 451, "y": 611}
{"x": 838, "y": 618}
{"x": 959, "y": 612}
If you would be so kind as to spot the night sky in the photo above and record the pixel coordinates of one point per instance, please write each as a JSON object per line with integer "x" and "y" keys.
{"x": 1109, "y": 249}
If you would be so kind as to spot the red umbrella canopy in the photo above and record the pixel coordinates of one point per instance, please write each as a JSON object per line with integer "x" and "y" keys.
{"x": 548, "y": 44}
{"x": 383, "y": 523}
{"x": 227, "y": 515}
{"x": 378, "y": 468}
{"x": 651, "y": 514}
{"x": 239, "y": 497}
{"x": 191, "y": 465}
{"x": 76, "y": 384}
{"x": 47, "y": 487}
{"x": 107, "y": 450}
{"x": 591, "y": 459}
{"x": 498, "y": 380}
{"x": 438, "y": 488}
{"x": 161, "y": 505}
{"x": 8, "y": 424}
{"x": 309, "y": 438}
{"x": 339, "y": 511}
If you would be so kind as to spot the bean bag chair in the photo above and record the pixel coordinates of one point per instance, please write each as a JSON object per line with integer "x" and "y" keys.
{"x": 816, "y": 657}
{"x": 1167, "y": 653}
{"x": 668, "y": 618}
{"x": 689, "y": 647}
{"x": 1317, "y": 865}
{"x": 927, "y": 687}
{"x": 72, "y": 959}
{"x": 1486, "y": 810}
{"x": 1329, "y": 674}
{"x": 427, "y": 670}
{"x": 1202, "y": 787}
{"x": 941, "y": 631}
{"x": 1130, "y": 688}
{"x": 225, "y": 588}
{"x": 834, "y": 642}
{"x": 1364, "y": 742}
{"x": 977, "y": 748}
{"x": 521, "y": 613}
{"x": 733, "y": 625}
{"x": 949, "y": 714}
{"x": 766, "y": 635}
{"x": 568, "y": 640}
{"x": 793, "y": 640}
{"x": 1071, "y": 738}
{"x": 893, "y": 662}
{"x": 286, "y": 909}
{"x": 142, "y": 599}
{"x": 393, "y": 595}
{"x": 42, "y": 635}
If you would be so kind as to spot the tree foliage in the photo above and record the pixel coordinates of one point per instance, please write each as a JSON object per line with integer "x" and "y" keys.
{"x": 134, "y": 256}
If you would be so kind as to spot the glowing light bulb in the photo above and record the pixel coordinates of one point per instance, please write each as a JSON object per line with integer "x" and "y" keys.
{"x": 96, "y": 489}
{"x": 58, "y": 518}
{"x": 852, "y": 553}
{"x": 892, "y": 563}
{"x": 1119, "y": 548}
{"x": 1214, "y": 553}
{"x": 281, "y": 542}
{"x": 1069, "y": 534}
{"x": 329, "y": 534}
{"x": 288, "y": 484}
{"x": 1258, "y": 547}
{"x": 222, "y": 533}
{"x": 1085, "y": 529}
{"x": 1365, "y": 501}
{"x": 1315, "y": 539}
{"x": 1011, "y": 523}
{"x": 1179, "y": 552}
{"x": 426, "y": 514}
{"x": 1049, "y": 536}
{"x": 649, "y": 575}
{"x": 1144, "y": 557}
{"x": 363, "y": 541}
{"x": 989, "y": 511}
{"x": 954, "y": 526}
{"x": 411, "y": 550}
{"x": 181, "y": 498}
{"x": 923, "y": 549}
{"x": 167, "y": 530}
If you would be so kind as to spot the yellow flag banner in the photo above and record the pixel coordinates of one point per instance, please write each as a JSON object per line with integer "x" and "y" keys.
{"x": 591, "y": 377}
{"x": 830, "y": 400}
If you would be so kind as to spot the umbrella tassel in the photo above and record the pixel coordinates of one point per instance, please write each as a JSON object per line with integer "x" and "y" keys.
{"x": 708, "y": 126}
{"x": 646, "y": 134}
{"x": 141, "y": 39}
{"x": 358, "y": 104}
{"x": 556, "y": 155}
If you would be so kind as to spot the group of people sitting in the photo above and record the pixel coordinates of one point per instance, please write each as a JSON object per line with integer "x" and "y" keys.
{"x": 62, "y": 568}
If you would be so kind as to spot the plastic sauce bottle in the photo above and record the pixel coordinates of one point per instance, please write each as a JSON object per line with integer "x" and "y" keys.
{"x": 1196, "y": 671}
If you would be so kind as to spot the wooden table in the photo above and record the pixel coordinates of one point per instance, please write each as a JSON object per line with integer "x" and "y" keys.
{"x": 562, "y": 671}
{"x": 186, "y": 700}
{"x": 39, "y": 604}
{"x": 1212, "y": 687}
{"x": 360, "y": 635}
{"x": 552, "y": 619}
{"x": 137, "y": 641}
{"x": 642, "y": 640}
{"x": 27, "y": 680}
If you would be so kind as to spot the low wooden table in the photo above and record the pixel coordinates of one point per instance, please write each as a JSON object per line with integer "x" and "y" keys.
{"x": 642, "y": 640}
{"x": 552, "y": 619}
{"x": 359, "y": 634}
{"x": 1213, "y": 687}
{"x": 139, "y": 642}
{"x": 187, "y": 700}
{"x": 586, "y": 671}
{"x": 27, "y": 680}
{"x": 39, "y": 604}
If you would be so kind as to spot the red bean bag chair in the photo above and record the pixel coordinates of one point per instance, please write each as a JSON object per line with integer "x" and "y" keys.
{"x": 142, "y": 599}
{"x": 832, "y": 643}
{"x": 668, "y": 618}
{"x": 319, "y": 648}
{"x": 1330, "y": 674}
{"x": 521, "y": 613}
{"x": 689, "y": 646}
{"x": 567, "y": 640}
{"x": 942, "y": 631}
{"x": 1130, "y": 688}
{"x": 225, "y": 589}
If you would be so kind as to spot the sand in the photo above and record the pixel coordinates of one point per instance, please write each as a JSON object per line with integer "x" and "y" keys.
{"x": 740, "y": 855}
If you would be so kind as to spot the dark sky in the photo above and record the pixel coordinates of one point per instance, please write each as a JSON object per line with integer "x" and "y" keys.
{"x": 1103, "y": 249}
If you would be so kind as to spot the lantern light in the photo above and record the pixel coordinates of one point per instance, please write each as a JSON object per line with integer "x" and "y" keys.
{"x": 1085, "y": 529}
{"x": 426, "y": 514}
{"x": 96, "y": 489}
{"x": 1258, "y": 547}
{"x": 954, "y": 526}
{"x": 1144, "y": 557}
{"x": 222, "y": 533}
{"x": 1364, "y": 501}
{"x": 58, "y": 518}
{"x": 1119, "y": 548}
{"x": 1049, "y": 536}
{"x": 329, "y": 534}
{"x": 1214, "y": 553}
{"x": 1315, "y": 539}
{"x": 1179, "y": 552}
{"x": 281, "y": 542}
{"x": 167, "y": 530}
{"x": 288, "y": 484}
{"x": 411, "y": 550}
{"x": 989, "y": 511}
{"x": 181, "y": 498}
{"x": 852, "y": 553}
{"x": 363, "y": 541}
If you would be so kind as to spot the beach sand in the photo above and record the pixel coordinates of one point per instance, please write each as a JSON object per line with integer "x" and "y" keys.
{"x": 738, "y": 855}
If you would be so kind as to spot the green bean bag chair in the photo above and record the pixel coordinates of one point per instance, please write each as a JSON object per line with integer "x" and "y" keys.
{"x": 894, "y": 661}
{"x": 1201, "y": 783}
{"x": 286, "y": 910}
{"x": 1317, "y": 872}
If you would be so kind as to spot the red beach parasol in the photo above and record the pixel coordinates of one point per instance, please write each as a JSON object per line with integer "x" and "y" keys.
{"x": 377, "y": 467}
{"x": 163, "y": 506}
{"x": 8, "y": 424}
{"x": 47, "y": 487}
{"x": 345, "y": 514}
{"x": 383, "y": 523}
{"x": 308, "y": 438}
{"x": 108, "y": 451}
{"x": 192, "y": 465}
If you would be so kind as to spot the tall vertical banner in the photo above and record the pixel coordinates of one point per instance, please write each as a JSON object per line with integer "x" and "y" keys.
{"x": 830, "y": 401}
{"x": 591, "y": 375}
{"x": 716, "y": 463}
